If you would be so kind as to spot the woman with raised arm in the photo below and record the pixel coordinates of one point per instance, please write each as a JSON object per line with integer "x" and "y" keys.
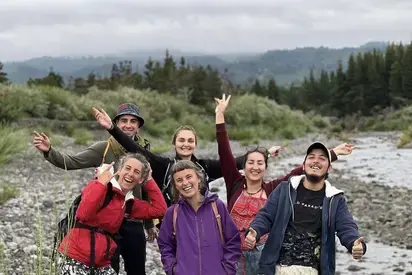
{"x": 247, "y": 193}
{"x": 89, "y": 245}
{"x": 197, "y": 235}
{"x": 184, "y": 141}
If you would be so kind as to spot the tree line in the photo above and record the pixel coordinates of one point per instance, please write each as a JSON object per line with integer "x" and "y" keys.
{"x": 371, "y": 82}
{"x": 368, "y": 83}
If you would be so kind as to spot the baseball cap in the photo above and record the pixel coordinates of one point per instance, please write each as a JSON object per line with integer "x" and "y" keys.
{"x": 321, "y": 146}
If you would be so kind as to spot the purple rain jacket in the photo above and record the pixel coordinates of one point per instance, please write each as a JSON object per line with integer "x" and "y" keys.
{"x": 197, "y": 248}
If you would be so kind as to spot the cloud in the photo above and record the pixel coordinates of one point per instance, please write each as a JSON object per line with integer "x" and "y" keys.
{"x": 81, "y": 27}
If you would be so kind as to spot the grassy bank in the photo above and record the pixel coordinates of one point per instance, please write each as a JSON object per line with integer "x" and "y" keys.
{"x": 249, "y": 117}
{"x": 12, "y": 142}
{"x": 399, "y": 120}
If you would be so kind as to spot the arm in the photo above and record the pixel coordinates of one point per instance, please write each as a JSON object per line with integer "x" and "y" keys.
{"x": 231, "y": 249}
{"x": 157, "y": 163}
{"x": 214, "y": 169}
{"x": 274, "y": 183}
{"x": 295, "y": 172}
{"x": 228, "y": 164}
{"x": 167, "y": 242}
{"x": 92, "y": 199}
{"x": 128, "y": 143}
{"x": 346, "y": 227}
{"x": 150, "y": 210}
{"x": 264, "y": 219}
{"x": 91, "y": 157}
{"x": 148, "y": 224}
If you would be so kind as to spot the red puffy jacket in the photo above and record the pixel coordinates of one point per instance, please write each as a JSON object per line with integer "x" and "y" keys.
{"x": 76, "y": 243}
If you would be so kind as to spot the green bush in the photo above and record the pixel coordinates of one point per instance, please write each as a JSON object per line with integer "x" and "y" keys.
{"x": 7, "y": 192}
{"x": 320, "y": 122}
{"x": 406, "y": 137}
{"x": 12, "y": 142}
{"x": 392, "y": 121}
{"x": 82, "y": 136}
{"x": 249, "y": 117}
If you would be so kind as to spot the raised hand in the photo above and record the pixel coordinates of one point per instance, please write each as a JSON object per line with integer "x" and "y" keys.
{"x": 274, "y": 151}
{"x": 149, "y": 176}
{"x": 104, "y": 175}
{"x": 222, "y": 103}
{"x": 103, "y": 118}
{"x": 357, "y": 249}
{"x": 41, "y": 142}
{"x": 343, "y": 149}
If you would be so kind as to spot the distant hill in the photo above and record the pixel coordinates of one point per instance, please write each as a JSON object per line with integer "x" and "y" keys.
{"x": 286, "y": 66}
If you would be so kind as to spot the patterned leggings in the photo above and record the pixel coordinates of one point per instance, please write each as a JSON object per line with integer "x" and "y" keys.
{"x": 295, "y": 270}
{"x": 73, "y": 267}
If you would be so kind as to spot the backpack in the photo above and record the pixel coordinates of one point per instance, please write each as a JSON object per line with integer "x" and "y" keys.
{"x": 215, "y": 211}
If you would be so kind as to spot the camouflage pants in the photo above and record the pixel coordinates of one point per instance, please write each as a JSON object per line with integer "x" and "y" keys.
{"x": 296, "y": 270}
{"x": 73, "y": 267}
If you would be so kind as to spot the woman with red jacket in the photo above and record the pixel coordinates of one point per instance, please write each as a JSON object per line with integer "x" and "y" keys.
{"x": 95, "y": 225}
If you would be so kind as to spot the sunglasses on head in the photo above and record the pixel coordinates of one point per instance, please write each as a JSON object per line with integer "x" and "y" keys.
{"x": 259, "y": 149}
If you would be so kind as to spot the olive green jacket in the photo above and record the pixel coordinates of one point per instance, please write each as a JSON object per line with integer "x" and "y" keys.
{"x": 92, "y": 156}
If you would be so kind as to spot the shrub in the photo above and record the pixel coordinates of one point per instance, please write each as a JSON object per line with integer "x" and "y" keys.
{"x": 406, "y": 137}
{"x": 12, "y": 142}
{"x": 82, "y": 136}
{"x": 7, "y": 192}
{"x": 249, "y": 117}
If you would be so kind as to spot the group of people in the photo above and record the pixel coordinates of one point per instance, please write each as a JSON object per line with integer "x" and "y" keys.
{"x": 286, "y": 226}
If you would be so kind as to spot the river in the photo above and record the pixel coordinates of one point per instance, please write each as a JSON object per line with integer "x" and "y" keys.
{"x": 376, "y": 160}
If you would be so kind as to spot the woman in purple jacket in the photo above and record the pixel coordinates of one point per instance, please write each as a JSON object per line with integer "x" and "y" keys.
{"x": 197, "y": 235}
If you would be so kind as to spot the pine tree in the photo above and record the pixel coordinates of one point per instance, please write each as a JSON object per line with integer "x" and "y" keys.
{"x": 273, "y": 90}
{"x": 407, "y": 73}
{"x": 3, "y": 75}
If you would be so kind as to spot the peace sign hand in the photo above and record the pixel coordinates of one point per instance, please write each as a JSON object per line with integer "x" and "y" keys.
{"x": 221, "y": 104}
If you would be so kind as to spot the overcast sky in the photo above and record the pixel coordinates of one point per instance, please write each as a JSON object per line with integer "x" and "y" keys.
{"x": 32, "y": 28}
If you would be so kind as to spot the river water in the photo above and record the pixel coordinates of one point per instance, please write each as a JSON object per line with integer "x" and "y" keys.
{"x": 375, "y": 160}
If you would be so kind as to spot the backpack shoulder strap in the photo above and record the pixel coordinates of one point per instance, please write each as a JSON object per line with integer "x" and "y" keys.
{"x": 105, "y": 151}
{"x": 146, "y": 144}
{"x": 166, "y": 178}
{"x": 108, "y": 197}
{"x": 218, "y": 220}
{"x": 129, "y": 207}
{"x": 175, "y": 218}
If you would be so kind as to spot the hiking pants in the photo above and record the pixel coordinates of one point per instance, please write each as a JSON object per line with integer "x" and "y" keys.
{"x": 132, "y": 246}
{"x": 73, "y": 267}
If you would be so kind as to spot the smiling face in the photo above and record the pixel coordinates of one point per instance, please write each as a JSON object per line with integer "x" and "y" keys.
{"x": 130, "y": 174}
{"x": 316, "y": 165}
{"x": 255, "y": 166}
{"x": 129, "y": 125}
{"x": 187, "y": 183}
{"x": 185, "y": 143}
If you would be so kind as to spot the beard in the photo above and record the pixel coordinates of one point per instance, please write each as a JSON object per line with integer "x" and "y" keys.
{"x": 315, "y": 178}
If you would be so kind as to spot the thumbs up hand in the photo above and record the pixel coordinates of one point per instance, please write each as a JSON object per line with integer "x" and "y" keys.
{"x": 250, "y": 239}
{"x": 357, "y": 249}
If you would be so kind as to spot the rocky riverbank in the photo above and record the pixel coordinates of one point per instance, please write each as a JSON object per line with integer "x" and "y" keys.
{"x": 382, "y": 212}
